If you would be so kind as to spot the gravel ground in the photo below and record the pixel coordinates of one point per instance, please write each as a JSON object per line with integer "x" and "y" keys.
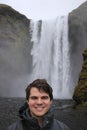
{"x": 76, "y": 120}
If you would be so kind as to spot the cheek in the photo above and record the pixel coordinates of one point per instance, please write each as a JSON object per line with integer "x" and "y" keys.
{"x": 30, "y": 104}
{"x": 48, "y": 103}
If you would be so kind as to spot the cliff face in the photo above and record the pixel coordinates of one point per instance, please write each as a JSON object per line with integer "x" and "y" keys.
{"x": 15, "y": 37}
{"x": 78, "y": 37}
{"x": 78, "y": 26}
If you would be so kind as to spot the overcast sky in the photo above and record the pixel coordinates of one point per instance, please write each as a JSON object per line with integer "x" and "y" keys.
{"x": 43, "y": 9}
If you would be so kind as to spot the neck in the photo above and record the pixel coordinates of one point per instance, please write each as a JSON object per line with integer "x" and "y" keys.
{"x": 40, "y": 121}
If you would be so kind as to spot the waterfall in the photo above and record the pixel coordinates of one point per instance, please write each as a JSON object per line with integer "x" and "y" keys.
{"x": 51, "y": 55}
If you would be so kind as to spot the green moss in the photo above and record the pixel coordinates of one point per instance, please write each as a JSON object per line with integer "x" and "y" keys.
{"x": 80, "y": 94}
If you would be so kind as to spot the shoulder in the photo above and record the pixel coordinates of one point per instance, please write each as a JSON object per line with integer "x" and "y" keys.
{"x": 16, "y": 126}
{"x": 61, "y": 125}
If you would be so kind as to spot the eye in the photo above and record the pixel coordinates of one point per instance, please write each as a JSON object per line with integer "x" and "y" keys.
{"x": 45, "y": 97}
{"x": 33, "y": 98}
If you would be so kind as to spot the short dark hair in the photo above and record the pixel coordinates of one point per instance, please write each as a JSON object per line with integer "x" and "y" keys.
{"x": 40, "y": 84}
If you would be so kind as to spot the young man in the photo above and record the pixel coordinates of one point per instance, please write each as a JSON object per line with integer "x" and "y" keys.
{"x": 37, "y": 113}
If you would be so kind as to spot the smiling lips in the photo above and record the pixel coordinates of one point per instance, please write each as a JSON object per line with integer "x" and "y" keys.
{"x": 39, "y": 107}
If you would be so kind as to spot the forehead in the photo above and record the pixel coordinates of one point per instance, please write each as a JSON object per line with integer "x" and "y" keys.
{"x": 36, "y": 91}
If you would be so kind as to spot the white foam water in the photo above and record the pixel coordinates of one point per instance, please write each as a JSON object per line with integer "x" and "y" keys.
{"x": 51, "y": 55}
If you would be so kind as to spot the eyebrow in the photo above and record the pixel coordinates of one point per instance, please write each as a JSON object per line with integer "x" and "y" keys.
{"x": 35, "y": 97}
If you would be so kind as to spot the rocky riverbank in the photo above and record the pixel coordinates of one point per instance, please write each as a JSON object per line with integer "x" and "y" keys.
{"x": 75, "y": 119}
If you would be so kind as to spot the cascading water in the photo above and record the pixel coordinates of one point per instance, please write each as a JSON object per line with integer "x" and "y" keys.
{"x": 50, "y": 55}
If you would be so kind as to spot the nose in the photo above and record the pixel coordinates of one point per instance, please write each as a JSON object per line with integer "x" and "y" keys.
{"x": 39, "y": 101}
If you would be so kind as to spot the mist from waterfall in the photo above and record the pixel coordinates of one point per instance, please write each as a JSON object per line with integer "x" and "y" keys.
{"x": 51, "y": 55}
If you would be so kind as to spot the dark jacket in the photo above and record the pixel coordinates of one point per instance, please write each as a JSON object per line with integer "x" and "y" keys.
{"x": 27, "y": 122}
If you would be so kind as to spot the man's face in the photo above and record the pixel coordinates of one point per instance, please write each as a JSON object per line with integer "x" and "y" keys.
{"x": 39, "y": 102}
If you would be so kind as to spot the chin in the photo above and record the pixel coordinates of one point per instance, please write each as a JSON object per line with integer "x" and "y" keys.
{"x": 40, "y": 115}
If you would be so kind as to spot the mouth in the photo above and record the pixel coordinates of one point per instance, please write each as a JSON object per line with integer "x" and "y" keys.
{"x": 39, "y": 108}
